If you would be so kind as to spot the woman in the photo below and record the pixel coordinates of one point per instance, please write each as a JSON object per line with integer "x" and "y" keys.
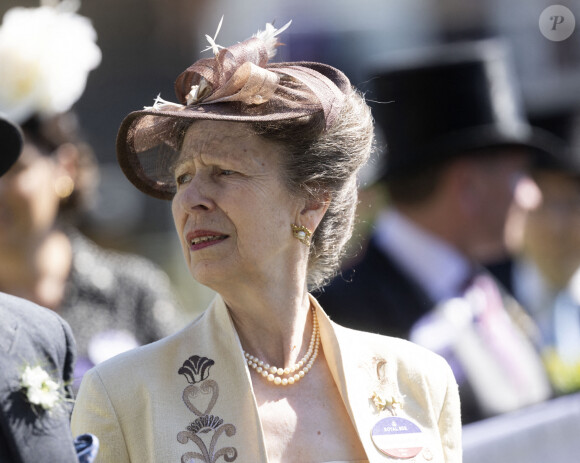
{"x": 112, "y": 301}
{"x": 260, "y": 163}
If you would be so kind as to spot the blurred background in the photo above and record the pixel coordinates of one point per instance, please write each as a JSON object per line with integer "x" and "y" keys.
{"x": 147, "y": 43}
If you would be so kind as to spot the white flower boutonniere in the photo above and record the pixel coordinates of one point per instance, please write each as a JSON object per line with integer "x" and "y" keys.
{"x": 39, "y": 388}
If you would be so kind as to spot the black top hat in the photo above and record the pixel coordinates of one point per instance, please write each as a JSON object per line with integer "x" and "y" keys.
{"x": 10, "y": 144}
{"x": 449, "y": 100}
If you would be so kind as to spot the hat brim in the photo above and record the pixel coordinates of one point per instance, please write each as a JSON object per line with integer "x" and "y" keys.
{"x": 149, "y": 142}
{"x": 12, "y": 140}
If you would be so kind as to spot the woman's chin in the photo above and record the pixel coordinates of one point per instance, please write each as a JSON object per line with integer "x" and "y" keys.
{"x": 212, "y": 276}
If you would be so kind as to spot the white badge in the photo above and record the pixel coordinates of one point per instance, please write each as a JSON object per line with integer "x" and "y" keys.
{"x": 398, "y": 437}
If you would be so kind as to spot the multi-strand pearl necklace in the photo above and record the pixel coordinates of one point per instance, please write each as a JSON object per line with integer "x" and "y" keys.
{"x": 290, "y": 375}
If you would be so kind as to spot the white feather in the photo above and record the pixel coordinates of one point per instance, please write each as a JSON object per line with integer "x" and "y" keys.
{"x": 160, "y": 104}
{"x": 212, "y": 44}
{"x": 268, "y": 36}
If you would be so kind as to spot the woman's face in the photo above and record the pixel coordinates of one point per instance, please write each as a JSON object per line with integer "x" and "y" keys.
{"x": 28, "y": 201}
{"x": 232, "y": 211}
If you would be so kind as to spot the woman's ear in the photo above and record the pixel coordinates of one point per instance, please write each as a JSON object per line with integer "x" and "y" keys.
{"x": 313, "y": 212}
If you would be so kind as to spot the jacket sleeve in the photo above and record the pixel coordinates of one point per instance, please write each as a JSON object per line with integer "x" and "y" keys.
{"x": 450, "y": 421}
{"x": 68, "y": 362}
{"x": 94, "y": 413}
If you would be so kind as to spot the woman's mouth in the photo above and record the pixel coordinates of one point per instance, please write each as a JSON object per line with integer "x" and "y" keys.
{"x": 203, "y": 241}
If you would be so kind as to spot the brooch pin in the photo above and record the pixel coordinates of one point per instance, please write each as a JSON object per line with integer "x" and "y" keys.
{"x": 381, "y": 404}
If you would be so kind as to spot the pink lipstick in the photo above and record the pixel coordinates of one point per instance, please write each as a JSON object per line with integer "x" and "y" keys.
{"x": 200, "y": 239}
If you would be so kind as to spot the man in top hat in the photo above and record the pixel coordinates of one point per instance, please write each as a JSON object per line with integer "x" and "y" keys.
{"x": 457, "y": 147}
{"x": 36, "y": 365}
{"x": 543, "y": 272}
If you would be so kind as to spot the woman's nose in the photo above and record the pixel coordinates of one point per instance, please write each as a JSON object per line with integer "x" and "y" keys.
{"x": 195, "y": 195}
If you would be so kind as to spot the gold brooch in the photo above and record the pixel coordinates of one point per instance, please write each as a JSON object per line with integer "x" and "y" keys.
{"x": 382, "y": 404}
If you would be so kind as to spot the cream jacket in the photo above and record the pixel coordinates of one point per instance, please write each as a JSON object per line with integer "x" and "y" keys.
{"x": 189, "y": 397}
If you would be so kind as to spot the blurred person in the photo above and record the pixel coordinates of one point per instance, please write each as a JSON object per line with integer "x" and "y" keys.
{"x": 544, "y": 272}
{"x": 112, "y": 301}
{"x": 37, "y": 354}
{"x": 457, "y": 146}
{"x": 260, "y": 161}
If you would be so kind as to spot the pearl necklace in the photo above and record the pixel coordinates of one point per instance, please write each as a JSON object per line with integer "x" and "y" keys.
{"x": 294, "y": 373}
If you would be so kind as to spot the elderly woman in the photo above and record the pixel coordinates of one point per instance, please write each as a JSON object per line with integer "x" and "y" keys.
{"x": 260, "y": 162}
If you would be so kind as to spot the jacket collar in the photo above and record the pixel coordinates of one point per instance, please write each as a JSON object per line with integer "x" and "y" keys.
{"x": 357, "y": 375}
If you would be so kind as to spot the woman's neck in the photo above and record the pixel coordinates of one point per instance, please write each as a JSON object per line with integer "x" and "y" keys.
{"x": 273, "y": 323}
{"x": 39, "y": 270}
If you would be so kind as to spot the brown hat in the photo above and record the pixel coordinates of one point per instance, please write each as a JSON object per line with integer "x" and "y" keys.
{"x": 11, "y": 144}
{"x": 237, "y": 84}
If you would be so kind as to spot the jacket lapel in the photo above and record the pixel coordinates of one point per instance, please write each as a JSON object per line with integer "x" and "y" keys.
{"x": 351, "y": 376}
{"x": 236, "y": 403}
{"x": 359, "y": 370}
{"x": 358, "y": 373}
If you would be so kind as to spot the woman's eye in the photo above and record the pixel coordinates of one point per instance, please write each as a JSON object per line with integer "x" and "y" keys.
{"x": 227, "y": 172}
{"x": 183, "y": 178}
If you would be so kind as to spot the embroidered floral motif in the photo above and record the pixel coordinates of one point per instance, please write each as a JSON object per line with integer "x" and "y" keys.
{"x": 205, "y": 424}
{"x": 192, "y": 392}
{"x": 196, "y": 371}
{"x": 196, "y": 368}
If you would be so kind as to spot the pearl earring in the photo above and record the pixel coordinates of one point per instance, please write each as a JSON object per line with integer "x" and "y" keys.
{"x": 301, "y": 233}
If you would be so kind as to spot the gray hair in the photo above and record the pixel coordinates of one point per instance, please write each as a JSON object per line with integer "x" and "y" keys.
{"x": 323, "y": 161}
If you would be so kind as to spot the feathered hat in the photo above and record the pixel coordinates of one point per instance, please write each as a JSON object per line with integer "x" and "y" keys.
{"x": 237, "y": 84}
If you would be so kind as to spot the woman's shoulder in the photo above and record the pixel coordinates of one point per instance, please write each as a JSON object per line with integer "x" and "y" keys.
{"x": 405, "y": 356}
{"x": 383, "y": 341}
{"x": 152, "y": 358}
